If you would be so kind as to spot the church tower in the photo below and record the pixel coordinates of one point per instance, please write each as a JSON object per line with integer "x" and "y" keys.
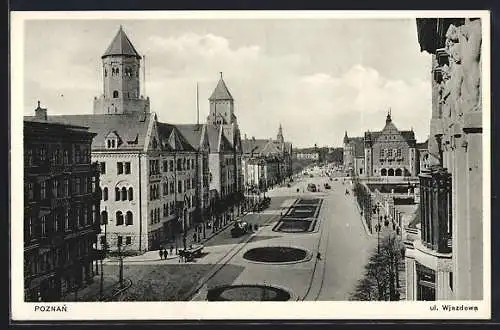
{"x": 121, "y": 76}
{"x": 279, "y": 137}
{"x": 221, "y": 105}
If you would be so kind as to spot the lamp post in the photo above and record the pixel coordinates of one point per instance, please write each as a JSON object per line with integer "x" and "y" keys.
{"x": 120, "y": 257}
{"x": 376, "y": 209}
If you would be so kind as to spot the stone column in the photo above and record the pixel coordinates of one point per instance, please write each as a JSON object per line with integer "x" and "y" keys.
{"x": 474, "y": 151}
{"x": 410, "y": 279}
{"x": 461, "y": 233}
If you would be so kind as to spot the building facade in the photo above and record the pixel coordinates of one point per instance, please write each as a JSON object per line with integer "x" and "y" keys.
{"x": 445, "y": 255}
{"x": 61, "y": 208}
{"x": 149, "y": 170}
{"x": 386, "y": 153}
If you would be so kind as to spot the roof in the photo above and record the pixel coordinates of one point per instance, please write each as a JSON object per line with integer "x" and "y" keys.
{"x": 423, "y": 145}
{"x": 253, "y": 145}
{"x": 214, "y": 133}
{"x": 121, "y": 45}
{"x": 131, "y": 128}
{"x": 221, "y": 92}
{"x": 44, "y": 127}
{"x": 192, "y": 133}
{"x": 172, "y": 138}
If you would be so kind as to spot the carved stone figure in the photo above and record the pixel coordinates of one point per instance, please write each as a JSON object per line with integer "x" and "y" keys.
{"x": 470, "y": 39}
{"x": 454, "y": 50}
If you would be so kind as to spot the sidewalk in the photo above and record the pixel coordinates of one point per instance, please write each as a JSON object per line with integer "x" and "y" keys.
{"x": 154, "y": 255}
{"x": 91, "y": 292}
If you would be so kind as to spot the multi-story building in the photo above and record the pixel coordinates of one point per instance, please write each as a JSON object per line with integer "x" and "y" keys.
{"x": 307, "y": 155}
{"x": 61, "y": 208}
{"x": 224, "y": 159}
{"x": 148, "y": 169}
{"x": 444, "y": 259}
{"x": 266, "y": 162}
{"x": 386, "y": 153}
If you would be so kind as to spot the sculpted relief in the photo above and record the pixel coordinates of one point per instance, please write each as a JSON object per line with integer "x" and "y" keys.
{"x": 460, "y": 90}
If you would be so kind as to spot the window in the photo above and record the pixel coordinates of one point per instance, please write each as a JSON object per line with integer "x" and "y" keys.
{"x": 179, "y": 164}
{"x": 172, "y": 188}
{"x": 124, "y": 194}
{"x": 109, "y": 144}
{"x": 117, "y": 194}
{"x": 193, "y": 183}
{"x": 104, "y": 218}
{"x": 119, "y": 218}
{"x": 30, "y": 191}
{"x": 127, "y": 168}
{"x": 120, "y": 241}
{"x": 66, "y": 220}
{"x": 129, "y": 219}
{"x": 43, "y": 190}
{"x": 382, "y": 153}
{"x": 398, "y": 153}
{"x": 119, "y": 167}
{"x": 189, "y": 164}
{"x": 165, "y": 166}
{"x": 171, "y": 165}
{"x": 105, "y": 194}
{"x": 65, "y": 157}
{"x": 128, "y": 240}
{"x": 78, "y": 154}
{"x": 115, "y": 93}
{"x": 179, "y": 187}
{"x": 85, "y": 216}
{"x": 188, "y": 184}
{"x": 43, "y": 154}
{"x": 389, "y": 153}
{"x": 165, "y": 188}
{"x": 103, "y": 167}
{"x": 130, "y": 193}
{"x": 152, "y": 217}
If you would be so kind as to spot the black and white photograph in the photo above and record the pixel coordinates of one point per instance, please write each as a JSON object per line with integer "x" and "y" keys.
{"x": 334, "y": 164}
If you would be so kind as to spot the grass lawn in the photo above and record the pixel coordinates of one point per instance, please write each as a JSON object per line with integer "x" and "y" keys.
{"x": 159, "y": 282}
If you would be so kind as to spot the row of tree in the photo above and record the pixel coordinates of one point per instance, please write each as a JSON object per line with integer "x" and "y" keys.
{"x": 381, "y": 277}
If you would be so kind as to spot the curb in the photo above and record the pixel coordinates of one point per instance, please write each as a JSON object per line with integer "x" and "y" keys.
{"x": 219, "y": 264}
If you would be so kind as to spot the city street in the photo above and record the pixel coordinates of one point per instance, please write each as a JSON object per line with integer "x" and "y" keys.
{"x": 342, "y": 241}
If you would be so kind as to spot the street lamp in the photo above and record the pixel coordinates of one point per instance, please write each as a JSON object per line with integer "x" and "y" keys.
{"x": 376, "y": 210}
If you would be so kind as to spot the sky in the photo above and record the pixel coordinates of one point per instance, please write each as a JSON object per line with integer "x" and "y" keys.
{"x": 315, "y": 77}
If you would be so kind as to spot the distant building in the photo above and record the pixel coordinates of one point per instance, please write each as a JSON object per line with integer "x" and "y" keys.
{"x": 307, "y": 155}
{"x": 266, "y": 162}
{"x": 386, "y": 153}
{"x": 61, "y": 208}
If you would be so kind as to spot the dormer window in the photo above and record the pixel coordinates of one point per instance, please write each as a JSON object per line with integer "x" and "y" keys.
{"x": 112, "y": 141}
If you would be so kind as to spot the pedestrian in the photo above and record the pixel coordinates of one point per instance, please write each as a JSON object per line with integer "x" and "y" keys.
{"x": 161, "y": 254}
{"x": 194, "y": 237}
{"x": 171, "y": 249}
{"x": 165, "y": 253}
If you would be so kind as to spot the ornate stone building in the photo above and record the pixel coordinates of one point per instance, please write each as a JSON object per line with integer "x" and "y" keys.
{"x": 61, "y": 208}
{"x": 150, "y": 172}
{"x": 225, "y": 154}
{"x": 386, "y": 153}
{"x": 445, "y": 255}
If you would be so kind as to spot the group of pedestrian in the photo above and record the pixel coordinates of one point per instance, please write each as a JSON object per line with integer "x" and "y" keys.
{"x": 164, "y": 253}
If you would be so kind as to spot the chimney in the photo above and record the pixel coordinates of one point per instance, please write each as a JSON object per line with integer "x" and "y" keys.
{"x": 40, "y": 113}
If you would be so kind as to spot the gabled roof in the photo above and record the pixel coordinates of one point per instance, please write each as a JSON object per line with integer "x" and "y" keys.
{"x": 221, "y": 92}
{"x": 132, "y": 128}
{"x": 217, "y": 140}
{"x": 172, "y": 138}
{"x": 254, "y": 146}
{"x": 192, "y": 133}
{"x": 121, "y": 45}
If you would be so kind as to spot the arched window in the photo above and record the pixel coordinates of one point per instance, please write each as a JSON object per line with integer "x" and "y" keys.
{"x": 383, "y": 172}
{"x": 130, "y": 193}
{"x": 113, "y": 71}
{"x": 399, "y": 172}
{"x": 119, "y": 218}
{"x": 117, "y": 194}
{"x": 391, "y": 172}
{"x": 124, "y": 194}
{"x": 104, "y": 218}
{"x": 117, "y": 71}
{"x": 115, "y": 94}
{"x": 105, "y": 193}
{"x": 129, "y": 219}
{"x": 105, "y": 72}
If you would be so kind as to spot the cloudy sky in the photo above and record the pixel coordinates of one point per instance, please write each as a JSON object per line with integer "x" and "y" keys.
{"x": 317, "y": 77}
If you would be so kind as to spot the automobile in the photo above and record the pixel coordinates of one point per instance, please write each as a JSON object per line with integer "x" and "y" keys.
{"x": 240, "y": 228}
{"x": 311, "y": 187}
{"x": 311, "y": 176}
{"x": 336, "y": 179}
{"x": 327, "y": 186}
{"x": 288, "y": 185}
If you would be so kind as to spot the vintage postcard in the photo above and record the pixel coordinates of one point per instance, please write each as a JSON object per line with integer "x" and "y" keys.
{"x": 250, "y": 165}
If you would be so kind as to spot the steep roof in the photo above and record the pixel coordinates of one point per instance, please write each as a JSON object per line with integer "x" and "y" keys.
{"x": 215, "y": 135}
{"x": 172, "y": 138}
{"x": 221, "y": 92}
{"x": 131, "y": 128}
{"x": 192, "y": 133}
{"x": 121, "y": 45}
{"x": 253, "y": 145}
